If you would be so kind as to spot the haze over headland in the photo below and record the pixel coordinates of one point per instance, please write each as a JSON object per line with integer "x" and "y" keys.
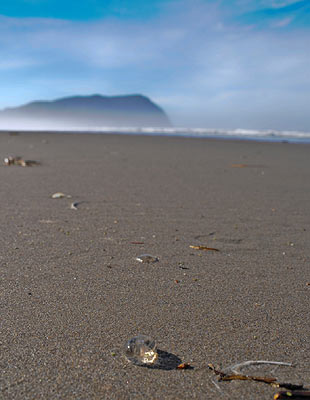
{"x": 85, "y": 111}
{"x": 208, "y": 63}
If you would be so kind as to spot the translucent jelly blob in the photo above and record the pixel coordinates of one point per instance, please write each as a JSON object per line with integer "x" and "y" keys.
{"x": 141, "y": 349}
{"x": 147, "y": 258}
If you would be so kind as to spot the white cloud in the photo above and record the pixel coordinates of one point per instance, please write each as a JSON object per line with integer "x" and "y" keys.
{"x": 9, "y": 64}
{"x": 282, "y": 3}
{"x": 282, "y": 22}
{"x": 250, "y": 5}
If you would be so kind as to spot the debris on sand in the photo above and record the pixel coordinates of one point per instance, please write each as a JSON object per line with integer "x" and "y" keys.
{"x": 147, "y": 258}
{"x": 232, "y": 373}
{"x": 19, "y": 161}
{"x": 74, "y": 205}
{"x": 203, "y": 248}
{"x": 60, "y": 195}
{"x": 185, "y": 365}
{"x": 141, "y": 349}
{"x": 246, "y": 166}
{"x": 295, "y": 394}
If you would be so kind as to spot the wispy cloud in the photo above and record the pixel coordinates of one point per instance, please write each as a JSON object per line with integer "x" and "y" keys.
{"x": 9, "y": 64}
{"x": 282, "y": 3}
{"x": 276, "y": 14}
{"x": 251, "y": 5}
{"x": 282, "y": 22}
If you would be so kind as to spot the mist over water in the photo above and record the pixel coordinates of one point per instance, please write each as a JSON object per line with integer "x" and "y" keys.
{"x": 247, "y": 134}
{"x": 127, "y": 114}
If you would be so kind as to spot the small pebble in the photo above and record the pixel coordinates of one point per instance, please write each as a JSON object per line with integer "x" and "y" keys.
{"x": 147, "y": 258}
{"x": 58, "y": 195}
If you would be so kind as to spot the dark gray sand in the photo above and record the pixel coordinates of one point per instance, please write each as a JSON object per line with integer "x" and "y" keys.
{"x": 72, "y": 292}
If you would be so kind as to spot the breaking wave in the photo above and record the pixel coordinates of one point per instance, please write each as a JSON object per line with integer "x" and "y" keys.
{"x": 246, "y": 134}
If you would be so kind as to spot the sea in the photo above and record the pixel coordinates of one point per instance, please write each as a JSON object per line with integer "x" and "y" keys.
{"x": 268, "y": 135}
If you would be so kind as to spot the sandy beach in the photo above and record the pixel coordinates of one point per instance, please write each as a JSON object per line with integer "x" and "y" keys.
{"x": 72, "y": 292}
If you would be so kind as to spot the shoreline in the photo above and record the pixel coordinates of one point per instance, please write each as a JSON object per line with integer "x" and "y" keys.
{"x": 268, "y": 136}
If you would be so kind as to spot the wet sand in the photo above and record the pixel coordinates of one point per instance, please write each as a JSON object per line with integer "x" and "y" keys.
{"x": 72, "y": 292}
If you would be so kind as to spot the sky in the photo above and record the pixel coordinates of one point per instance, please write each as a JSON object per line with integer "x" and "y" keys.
{"x": 208, "y": 63}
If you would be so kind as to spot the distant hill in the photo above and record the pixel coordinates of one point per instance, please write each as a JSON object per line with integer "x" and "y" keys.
{"x": 89, "y": 111}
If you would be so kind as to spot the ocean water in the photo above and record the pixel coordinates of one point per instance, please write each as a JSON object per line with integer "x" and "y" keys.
{"x": 238, "y": 134}
{"x": 234, "y": 134}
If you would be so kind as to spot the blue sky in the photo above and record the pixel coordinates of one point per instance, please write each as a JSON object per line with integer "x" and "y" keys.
{"x": 208, "y": 63}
